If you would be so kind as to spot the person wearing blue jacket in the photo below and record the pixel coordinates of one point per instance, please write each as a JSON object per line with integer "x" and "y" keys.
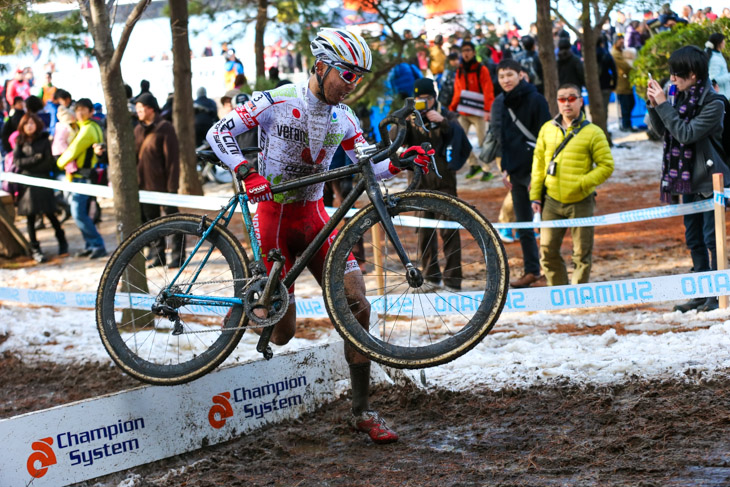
{"x": 402, "y": 78}
{"x": 718, "y": 65}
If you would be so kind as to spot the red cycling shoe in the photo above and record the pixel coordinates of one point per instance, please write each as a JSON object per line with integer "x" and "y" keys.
{"x": 371, "y": 423}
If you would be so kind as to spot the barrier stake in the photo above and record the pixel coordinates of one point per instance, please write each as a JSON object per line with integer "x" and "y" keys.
{"x": 720, "y": 229}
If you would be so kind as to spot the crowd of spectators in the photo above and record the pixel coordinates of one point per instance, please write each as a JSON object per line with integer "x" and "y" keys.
{"x": 491, "y": 77}
{"x": 489, "y": 81}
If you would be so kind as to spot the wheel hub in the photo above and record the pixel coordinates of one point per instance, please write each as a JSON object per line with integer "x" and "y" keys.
{"x": 414, "y": 277}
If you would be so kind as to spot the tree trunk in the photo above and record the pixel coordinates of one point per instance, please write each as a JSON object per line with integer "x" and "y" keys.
{"x": 261, "y": 20}
{"x": 546, "y": 51}
{"x": 119, "y": 136}
{"x": 182, "y": 114}
{"x": 593, "y": 84}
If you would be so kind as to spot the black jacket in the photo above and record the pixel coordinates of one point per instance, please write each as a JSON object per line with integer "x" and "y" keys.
{"x": 530, "y": 108}
{"x": 34, "y": 159}
{"x": 607, "y": 73}
{"x": 441, "y": 136}
{"x": 570, "y": 69}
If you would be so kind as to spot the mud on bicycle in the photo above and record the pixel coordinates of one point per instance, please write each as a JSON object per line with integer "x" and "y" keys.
{"x": 170, "y": 325}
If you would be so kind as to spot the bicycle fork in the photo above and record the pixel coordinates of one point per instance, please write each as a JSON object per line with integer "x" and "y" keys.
{"x": 413, "y": 275}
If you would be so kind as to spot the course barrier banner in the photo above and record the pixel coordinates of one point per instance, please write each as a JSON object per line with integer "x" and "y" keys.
{"x": 214, "y": 203}
{"x": 87, "y": 439}
{"x": 610, "y": 293}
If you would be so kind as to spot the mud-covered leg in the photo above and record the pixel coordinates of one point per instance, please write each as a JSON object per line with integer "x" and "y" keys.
{"x": 363, "y": 418}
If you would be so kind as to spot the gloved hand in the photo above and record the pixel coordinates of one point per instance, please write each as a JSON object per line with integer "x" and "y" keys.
{"x": 257, "y": 187}
{"x": 37, "y": 157}
{"x": 422, "y": 159}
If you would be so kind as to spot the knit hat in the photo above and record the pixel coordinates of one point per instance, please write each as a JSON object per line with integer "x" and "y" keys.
{"x": 148, "y": 100}
{"x": 424, "y": 86}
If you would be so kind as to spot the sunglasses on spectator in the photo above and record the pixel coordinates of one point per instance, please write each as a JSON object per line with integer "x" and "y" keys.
{"x": 567, "y": 99}
{"x": 348, "y": 76}
{"x": 678, "y": 74}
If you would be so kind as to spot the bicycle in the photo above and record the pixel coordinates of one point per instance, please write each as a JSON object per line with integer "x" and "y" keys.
{"x": 170, "y": 325}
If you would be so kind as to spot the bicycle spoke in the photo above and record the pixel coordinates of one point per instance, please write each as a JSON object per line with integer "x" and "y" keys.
{"x": 141, "y": 339}
{"x": 434, "y": 320}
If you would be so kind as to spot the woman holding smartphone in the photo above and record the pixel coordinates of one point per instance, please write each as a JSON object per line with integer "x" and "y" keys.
{"x": 691, "y": 123}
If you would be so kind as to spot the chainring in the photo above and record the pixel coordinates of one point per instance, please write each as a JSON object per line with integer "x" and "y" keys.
{"x": 275, "y": 312}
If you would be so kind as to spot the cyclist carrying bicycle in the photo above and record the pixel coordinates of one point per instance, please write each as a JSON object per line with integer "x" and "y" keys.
{"x": 300, "y": 128}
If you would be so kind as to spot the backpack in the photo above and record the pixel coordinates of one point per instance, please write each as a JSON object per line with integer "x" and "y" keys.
{"x": 528, "y": 63}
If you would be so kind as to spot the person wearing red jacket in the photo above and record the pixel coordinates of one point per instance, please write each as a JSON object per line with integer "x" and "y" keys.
{"x": 473, "y": 97}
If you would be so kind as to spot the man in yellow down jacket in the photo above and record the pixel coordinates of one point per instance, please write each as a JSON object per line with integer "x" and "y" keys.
{"x": 563, "y": 187}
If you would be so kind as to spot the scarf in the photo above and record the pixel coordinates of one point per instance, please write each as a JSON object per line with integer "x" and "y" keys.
{"x": 678, "y": 158}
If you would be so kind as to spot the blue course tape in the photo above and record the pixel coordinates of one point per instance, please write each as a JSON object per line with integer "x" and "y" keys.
{"x": 598, "y": 294}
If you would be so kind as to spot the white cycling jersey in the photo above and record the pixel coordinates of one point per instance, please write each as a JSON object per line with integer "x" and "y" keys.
{"x": 293, "y": 126}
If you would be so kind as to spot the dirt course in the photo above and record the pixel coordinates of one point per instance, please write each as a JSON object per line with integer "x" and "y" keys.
{"x": 640, "y": 433}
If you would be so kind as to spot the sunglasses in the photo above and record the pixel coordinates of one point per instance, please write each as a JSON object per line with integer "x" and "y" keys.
{"x": 347, "y": 76}
{"x": 568, "y": 99}
{"x": 678, "y": 74}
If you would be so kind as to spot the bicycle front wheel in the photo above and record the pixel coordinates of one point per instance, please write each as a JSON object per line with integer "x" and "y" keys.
{"x": 152, "y": 346}
{"x": 415, "y": 325}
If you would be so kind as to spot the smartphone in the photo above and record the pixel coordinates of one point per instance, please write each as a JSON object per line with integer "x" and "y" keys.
{"x": 650, "y": 77}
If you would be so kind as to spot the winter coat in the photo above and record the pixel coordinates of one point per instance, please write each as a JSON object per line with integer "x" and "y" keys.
{"x": 583, "y": 164}
{"x": 33, "y": 158}
{"x": 158, "y": 156}
{"x": 438, "y": 59}
{"x": 10, "y": 126}
{"x": 446, "y": 91}
{"x": 623, "y": 85}
{"x": 402, "y": 78}
{"x": 440, "y": 138}
{"x": 530, "y": 108}
{"x": 718, "y": 72}
{"x": 607, "y": 74}
{"x": 65, "y": 131}
{"x": 206, "y": 115}
{"x": 570, "y": 69}
{"x": 704, "y": 130}
{"x": 473, "y": 77}
{"x": 81, "y": 148}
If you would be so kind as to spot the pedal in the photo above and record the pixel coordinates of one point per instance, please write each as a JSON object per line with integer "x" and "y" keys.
{"x": 202, "y": 226}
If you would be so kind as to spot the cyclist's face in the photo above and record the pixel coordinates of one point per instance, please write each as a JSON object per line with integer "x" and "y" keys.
{"x": 335, "y": 88}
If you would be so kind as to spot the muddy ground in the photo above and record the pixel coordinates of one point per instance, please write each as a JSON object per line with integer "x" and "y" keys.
{"x": 642, "y": 433}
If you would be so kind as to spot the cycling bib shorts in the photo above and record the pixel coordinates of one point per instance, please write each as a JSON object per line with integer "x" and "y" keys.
{"x": 290, "y": 228}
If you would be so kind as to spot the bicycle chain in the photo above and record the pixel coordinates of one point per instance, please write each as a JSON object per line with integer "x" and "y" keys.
{"x": 225, "y": 281}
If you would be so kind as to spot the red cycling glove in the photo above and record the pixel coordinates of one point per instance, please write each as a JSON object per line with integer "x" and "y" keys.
{"x": 257, "y": 187}
{"x": 422, "y": 160}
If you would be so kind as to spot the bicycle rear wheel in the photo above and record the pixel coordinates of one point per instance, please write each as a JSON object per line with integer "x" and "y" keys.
{"x": 465, "y": 273}
{"x": 141, "y": 341}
